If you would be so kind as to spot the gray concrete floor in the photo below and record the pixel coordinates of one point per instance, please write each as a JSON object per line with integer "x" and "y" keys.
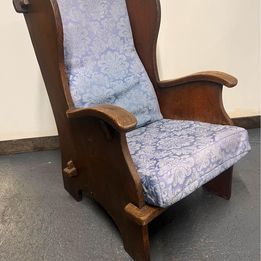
{"x": 40, "y": 221}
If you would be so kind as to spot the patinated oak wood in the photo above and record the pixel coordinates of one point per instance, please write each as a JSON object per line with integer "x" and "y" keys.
{"x": 116, "y": 116}
{"x": 95, "y": 154}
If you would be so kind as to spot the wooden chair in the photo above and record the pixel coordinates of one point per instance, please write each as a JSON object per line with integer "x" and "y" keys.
{"x": 97, "y": 142}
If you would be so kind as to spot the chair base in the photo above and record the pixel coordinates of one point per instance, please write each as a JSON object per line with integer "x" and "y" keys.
{"x": 135, "y": 240}
{"x": 133, "y": 222}
{"x": 221, "y": 185}
{"x": 134, "y": 235}
{"x": 72, "y": 188}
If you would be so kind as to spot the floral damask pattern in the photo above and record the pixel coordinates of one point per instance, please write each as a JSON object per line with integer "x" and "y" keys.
{"x": 101, "y": 61}
{"x": 174, "y": 158}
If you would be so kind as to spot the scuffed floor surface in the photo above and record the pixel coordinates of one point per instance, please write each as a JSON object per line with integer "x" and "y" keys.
{"x": 40, "y": 221}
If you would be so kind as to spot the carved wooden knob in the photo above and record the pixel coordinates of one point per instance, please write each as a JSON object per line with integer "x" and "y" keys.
{"x": 24, "y": 3}
{"x": 70, "y": 170}
{"x": 21, "y": 6}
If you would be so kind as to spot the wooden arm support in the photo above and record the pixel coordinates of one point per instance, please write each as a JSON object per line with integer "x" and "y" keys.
{"x": 21, "y": 6}
{"x": 209, "y": 76}
{"x": 117, "y": 117}
{"x": 142, "y": 216}
{"x": 197, "y": 97}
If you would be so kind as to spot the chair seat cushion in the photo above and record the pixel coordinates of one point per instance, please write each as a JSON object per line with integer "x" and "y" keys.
{"x": 174, "y": 158}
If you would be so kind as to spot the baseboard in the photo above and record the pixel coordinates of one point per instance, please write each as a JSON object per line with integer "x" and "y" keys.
{"x": 251, "y": 122}
{"x": 29, "y": 145}
{"x": 52, "y": 142}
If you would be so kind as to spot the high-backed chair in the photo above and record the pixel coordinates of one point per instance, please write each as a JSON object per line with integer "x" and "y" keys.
{"x": 133, "y": 143}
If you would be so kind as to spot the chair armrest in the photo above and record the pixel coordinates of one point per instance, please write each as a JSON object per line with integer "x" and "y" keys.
{"x": 116, "y": 116}
{"x": 199, "y": 101}
{"x": 209, "y": 76}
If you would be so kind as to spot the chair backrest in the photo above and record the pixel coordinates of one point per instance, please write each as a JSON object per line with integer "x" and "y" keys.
{"x": 101, "y": 61}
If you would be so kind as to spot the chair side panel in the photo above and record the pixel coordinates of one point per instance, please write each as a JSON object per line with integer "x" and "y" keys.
{"x": 43, "y": 23}
{"x": 145, "y": 22}
{"x": 81, "y": 140}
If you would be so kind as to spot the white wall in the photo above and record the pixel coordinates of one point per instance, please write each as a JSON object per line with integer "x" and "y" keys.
{"x": 24, "y": 106}
{"x": 195, "y": 35}
{"x": 224, "y": 35}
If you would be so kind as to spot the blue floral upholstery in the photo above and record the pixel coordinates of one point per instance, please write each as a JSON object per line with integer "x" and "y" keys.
{"x": 174, "y": 158}
{"x": 101, "y": 61}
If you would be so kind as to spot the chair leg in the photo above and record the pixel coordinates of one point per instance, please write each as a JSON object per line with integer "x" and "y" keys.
{"x": 221, "y": 185}
{"x": 136, "y": 240}
{"x": 72, "y": 188}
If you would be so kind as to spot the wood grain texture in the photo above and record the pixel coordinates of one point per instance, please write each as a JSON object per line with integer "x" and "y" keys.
{"x": 221, "y": 185}
{"x": 116, "y": 116}
{"x": 93, "y": 141}
{"x": 143, "y": 216}
{"x": 208, "y": 76}
{"x": 201, "y": 101}
{"x": 145, "y": 22}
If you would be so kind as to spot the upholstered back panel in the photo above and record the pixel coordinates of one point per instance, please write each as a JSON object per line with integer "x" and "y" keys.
{"x": 101, "y": 61}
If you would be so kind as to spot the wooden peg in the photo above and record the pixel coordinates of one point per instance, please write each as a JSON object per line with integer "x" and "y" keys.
{"x": 70, "y": 170}
{"x": 21, "y": 6}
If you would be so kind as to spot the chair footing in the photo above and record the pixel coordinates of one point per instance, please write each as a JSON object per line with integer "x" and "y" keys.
{"x": 133, "y": 222}
{"x": 135, "y": 236}
{"x": 221, "y": 185}
{"x": 135, "y": 240}
{"x": 73, "y": 190}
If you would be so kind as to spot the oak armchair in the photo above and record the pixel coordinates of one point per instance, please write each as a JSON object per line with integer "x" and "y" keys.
{"x": 133, "y": 143}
